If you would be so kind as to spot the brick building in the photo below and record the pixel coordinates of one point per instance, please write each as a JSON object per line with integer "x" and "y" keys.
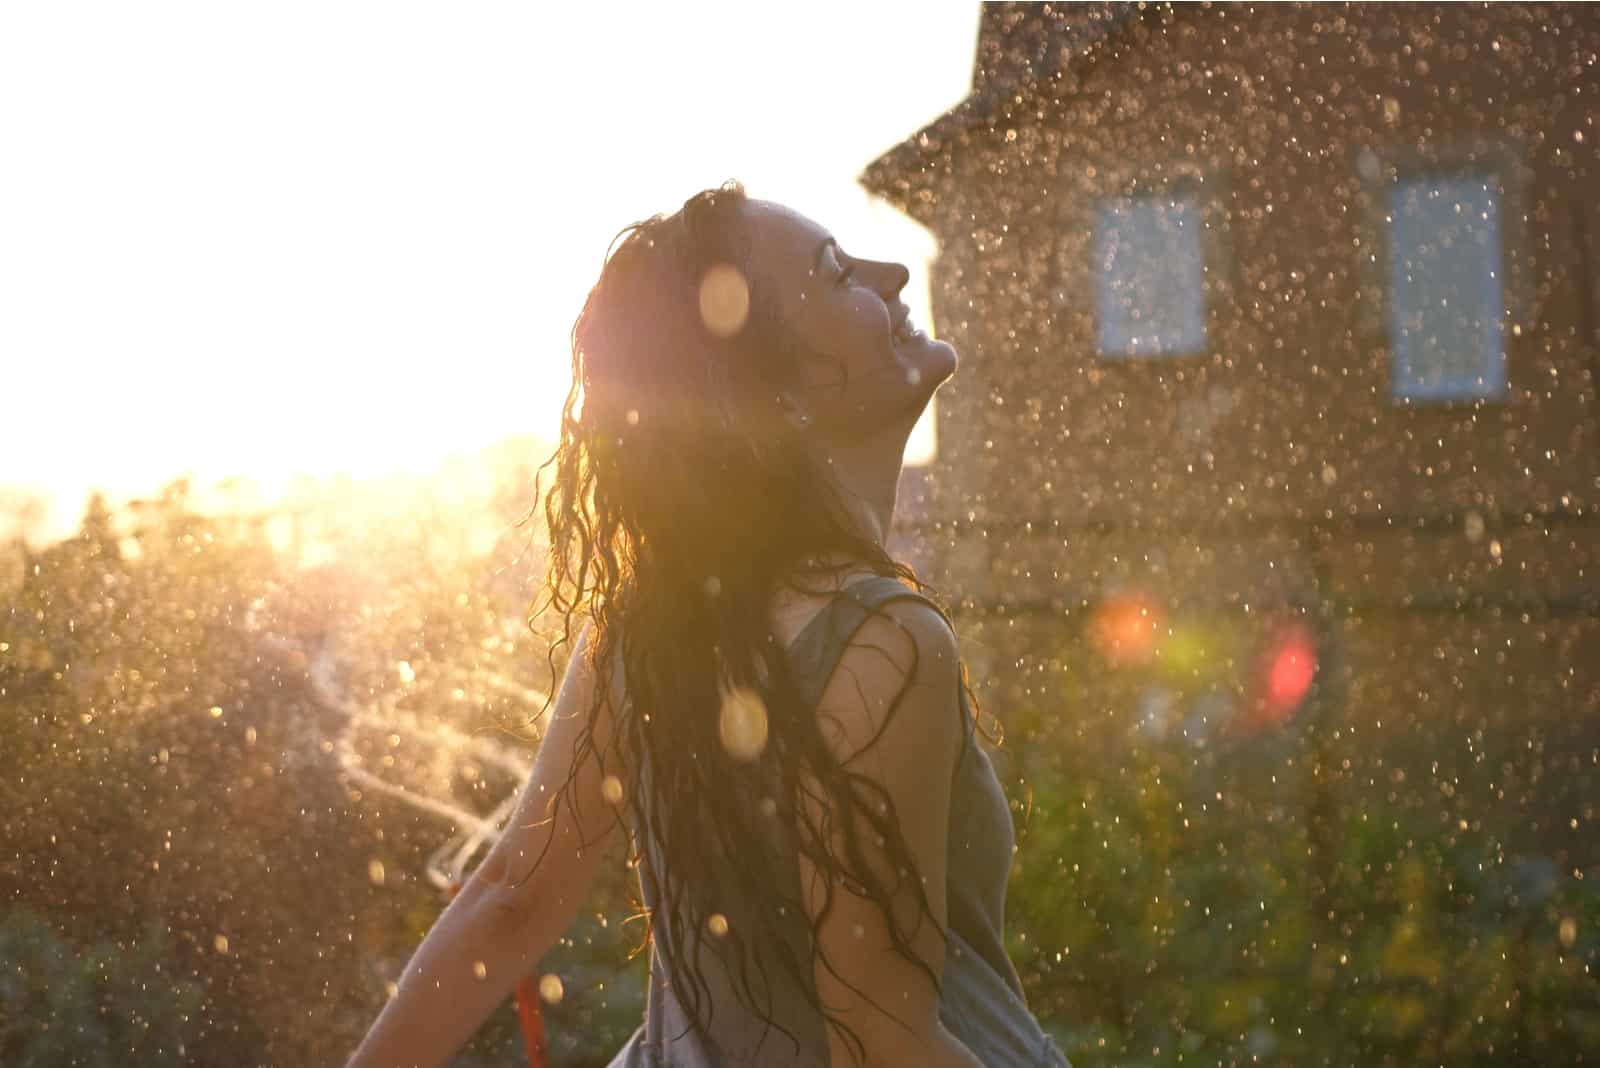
{"x": 1270, "y": 314}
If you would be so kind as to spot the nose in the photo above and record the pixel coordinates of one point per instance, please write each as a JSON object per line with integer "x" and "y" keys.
{"x": 895, "y": 277}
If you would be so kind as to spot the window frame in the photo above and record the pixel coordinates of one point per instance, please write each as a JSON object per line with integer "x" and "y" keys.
{"x": 1174, "y": 193}
{"x": 1077, "y": 276}
{"x": 1380, "y": 173}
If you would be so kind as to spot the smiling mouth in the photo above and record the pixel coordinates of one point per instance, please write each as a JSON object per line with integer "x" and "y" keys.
{"x": 904, "y": 331}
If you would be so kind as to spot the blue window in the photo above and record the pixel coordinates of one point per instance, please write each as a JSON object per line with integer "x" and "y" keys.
{"x": 1446, "y": 298}
{"x": 1149, "y": 273}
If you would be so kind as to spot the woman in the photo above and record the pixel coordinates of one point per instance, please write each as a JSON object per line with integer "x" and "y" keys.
{"x": 777, "y": 725}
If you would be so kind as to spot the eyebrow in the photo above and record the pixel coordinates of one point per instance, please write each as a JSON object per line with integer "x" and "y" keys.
{"x": 817, "y": 261}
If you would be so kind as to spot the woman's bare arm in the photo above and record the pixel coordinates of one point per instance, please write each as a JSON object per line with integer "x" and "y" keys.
{"x": 911, "y": 753}
{"x": 493, "y": 932}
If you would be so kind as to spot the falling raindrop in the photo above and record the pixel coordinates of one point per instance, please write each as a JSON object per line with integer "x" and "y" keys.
{"x": 742, "y": 723}
{"x": 724, "y": 300}
{"x": 550, "y": 988}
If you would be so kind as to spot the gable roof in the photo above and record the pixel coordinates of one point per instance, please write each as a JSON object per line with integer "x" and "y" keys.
{"x": 1022, "y": 48}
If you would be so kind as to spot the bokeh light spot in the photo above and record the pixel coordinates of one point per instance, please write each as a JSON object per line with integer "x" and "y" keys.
{"x": 724, "y": 300}
{"x": 1124, "y": 627}
{"x": 742, "y": 723}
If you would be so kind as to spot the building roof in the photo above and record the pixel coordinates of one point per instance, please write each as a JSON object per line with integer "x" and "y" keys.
{"x": 1022, "y": 48}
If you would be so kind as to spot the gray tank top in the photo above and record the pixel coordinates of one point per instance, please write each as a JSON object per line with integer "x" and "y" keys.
{"x": 981, "y": 1002}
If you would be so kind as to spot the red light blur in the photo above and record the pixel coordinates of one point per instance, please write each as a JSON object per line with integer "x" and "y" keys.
{"x": 1288, "y": 668}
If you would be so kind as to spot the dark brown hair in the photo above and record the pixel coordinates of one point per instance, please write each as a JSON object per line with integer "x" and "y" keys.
{"x": 681, "y": 496}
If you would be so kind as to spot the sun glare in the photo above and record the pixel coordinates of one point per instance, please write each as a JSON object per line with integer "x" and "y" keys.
{"x": 374, "y": 264}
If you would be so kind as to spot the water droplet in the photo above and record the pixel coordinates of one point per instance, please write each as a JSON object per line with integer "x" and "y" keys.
{"x": 480, "y": 969}
{"x": 743, "y": 723}
{"x": 216, "y": 712}
{"x": 375, "y": 871}
{"x": 724, "y": 300}
{"x": 550, "y": 989}
{"x": 717, "y": 924}
{"x": 611, "y": 790}
{"x": 221, "y": 942}
{"x": 1368, "y": 165}
{"x": 403, "y": 669}
{"x": 633, "y": 417}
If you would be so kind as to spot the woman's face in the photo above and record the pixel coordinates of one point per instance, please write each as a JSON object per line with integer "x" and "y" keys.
{"x": 872, "y": 369}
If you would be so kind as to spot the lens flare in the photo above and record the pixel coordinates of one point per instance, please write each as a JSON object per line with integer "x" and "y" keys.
{"x": 1124, "y": 628}
{"x": 724, "y": 300}
{"x": 743, "y": 723}
{"x": 1287, "y": 669}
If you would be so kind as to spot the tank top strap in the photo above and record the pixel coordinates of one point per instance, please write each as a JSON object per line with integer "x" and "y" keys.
{"x": 820, "y": 646}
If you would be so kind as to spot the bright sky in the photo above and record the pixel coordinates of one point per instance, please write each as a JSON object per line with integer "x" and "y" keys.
{"x": 318, "y": 237}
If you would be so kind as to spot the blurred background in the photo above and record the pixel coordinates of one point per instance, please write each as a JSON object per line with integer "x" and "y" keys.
{"x": 1265, "y": 494}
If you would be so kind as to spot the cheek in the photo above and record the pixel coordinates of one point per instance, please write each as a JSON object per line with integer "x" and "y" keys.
{"x": 868, "y": 326}
{"x": 853, "y": 330}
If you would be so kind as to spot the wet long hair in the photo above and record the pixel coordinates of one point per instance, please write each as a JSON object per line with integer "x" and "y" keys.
{"x": 681, "y": 497}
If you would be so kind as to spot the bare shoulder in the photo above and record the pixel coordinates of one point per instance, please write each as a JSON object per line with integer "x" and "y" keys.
{"x": 890, "y": 714}
{"x": 895, "y": 684}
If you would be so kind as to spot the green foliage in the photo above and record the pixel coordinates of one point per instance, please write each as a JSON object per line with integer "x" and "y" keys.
{"x": 109, "y": 1005}
{"x": 173, "y": 797}
{"x": 1172, "y": 905}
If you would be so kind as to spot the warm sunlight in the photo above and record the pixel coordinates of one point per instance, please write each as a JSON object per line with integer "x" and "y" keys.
{"x": 308, "y": 239}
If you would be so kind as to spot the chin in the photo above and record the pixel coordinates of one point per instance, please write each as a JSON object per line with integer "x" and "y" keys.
{"x": 939, "y": 362}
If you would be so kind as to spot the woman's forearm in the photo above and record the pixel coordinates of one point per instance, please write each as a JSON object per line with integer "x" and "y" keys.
{"x": 469, "y": 963}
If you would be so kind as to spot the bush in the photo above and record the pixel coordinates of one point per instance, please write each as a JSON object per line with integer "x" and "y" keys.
{"x": 110, "y": 1005}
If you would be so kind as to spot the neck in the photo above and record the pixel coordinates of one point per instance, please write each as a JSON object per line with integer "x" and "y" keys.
{"x": 868, "y": 474}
